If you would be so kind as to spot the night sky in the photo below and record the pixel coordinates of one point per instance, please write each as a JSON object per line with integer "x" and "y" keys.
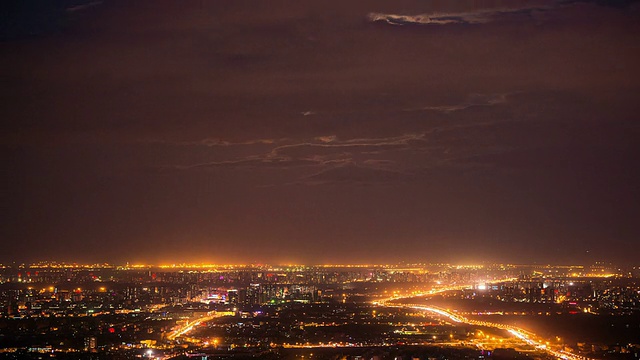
{"x": 292, "y": 131}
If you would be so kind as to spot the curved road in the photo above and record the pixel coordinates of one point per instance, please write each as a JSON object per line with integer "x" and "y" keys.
{"x": 524, "y": 335}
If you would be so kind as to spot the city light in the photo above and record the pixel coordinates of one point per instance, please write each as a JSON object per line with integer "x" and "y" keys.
{"x": 176, "y": 307}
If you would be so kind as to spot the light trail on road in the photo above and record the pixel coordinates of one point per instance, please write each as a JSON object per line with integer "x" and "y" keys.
{"x": 524, "y": 335}
{"x": 189, "y": 326}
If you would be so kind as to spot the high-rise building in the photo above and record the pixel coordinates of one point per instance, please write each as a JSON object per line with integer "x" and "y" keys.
{"x": 90, "y": 344}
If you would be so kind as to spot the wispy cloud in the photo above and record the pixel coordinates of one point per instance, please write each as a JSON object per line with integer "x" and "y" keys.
{"x": 472, "y": 101}
{"x": 322, "y": 151}
{"x": 82, "y": 7}
{"x": 332, "y": 159}
{"x": 358, "y": 144}
{"x": 477, "y": 17}
{"x": 484, "y": 16}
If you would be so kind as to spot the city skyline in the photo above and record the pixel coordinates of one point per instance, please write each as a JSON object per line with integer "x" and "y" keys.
{"x": 310, "y": 132}
{"x": 405, "y": 311}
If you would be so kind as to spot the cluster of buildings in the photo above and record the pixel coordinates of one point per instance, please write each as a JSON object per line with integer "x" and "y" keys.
{"x": 131, "y": 308}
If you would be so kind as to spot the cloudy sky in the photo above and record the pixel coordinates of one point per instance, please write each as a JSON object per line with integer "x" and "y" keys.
{"x": 321, "y": 131}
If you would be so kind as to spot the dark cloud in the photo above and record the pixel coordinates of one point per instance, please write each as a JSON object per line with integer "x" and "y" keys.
{"x": 176, "y": 128}
{"x": 472, "y": 100}
{"x": 488, "y": 15}
{"x": 477, "y": 17}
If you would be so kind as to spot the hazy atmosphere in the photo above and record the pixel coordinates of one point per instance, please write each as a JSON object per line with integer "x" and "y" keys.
{"x": 321, "y": 131}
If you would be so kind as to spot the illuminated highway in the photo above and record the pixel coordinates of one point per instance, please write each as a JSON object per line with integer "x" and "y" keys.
{"x": 384, "y": 302}
{"x": 519, "y": 333}
{"x": 524, "y": 335}
{"x": 190, "y": 325}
